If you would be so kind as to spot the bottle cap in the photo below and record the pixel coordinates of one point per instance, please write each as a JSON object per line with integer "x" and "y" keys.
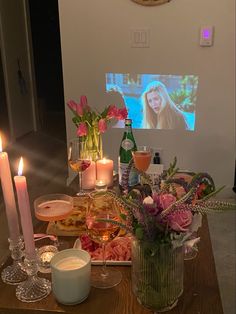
{"x": 128, "y": 121}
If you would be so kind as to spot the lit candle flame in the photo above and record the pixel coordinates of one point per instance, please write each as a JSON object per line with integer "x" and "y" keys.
{"x": 0, "y": 144}
{"x": 20, "y": 167}
{"x": 100, "y": 182}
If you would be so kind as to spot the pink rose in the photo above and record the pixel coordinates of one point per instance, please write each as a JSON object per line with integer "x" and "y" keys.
{"x": 122, "y": 114}
{"x": 72, "y": 105}
{"x": 82, "y": 129}
{"x": 102, "y": 125}
{"x": 180, "y": 220}
{"x": 164, "y": 200}
{"x": 112, "y": 112}
{"x": 79, "y": 110}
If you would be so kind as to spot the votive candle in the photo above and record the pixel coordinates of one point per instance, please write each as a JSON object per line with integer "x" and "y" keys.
{"x": 8, "y": 195}
{"x": 25, "y": 212}
{"x": 105, "y": 171}
{"x": 100, "y": 185}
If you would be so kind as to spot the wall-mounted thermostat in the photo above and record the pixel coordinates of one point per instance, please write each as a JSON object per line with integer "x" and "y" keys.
{"x": 206, "y": 36}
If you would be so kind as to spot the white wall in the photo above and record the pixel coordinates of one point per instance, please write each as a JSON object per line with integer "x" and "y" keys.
{"x": 95, "y": 40}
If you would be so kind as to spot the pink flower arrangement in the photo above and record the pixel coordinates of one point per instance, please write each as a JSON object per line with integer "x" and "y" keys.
{"x": 170, "y": 212}
{"x": 91, "y": 124}
{"x": 157, "y": 214}
{"x": 88, "y": 120}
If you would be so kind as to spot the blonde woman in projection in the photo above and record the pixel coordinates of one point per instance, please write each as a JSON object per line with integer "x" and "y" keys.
{"x": 159, "y": 110}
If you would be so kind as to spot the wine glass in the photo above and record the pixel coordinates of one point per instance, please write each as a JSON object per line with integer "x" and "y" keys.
{"x": 191, "y": 247}
{"x": 78, "y": 159}
{"x": 51, "y": 207}
{"x": 142, "y": 157}
{"x": 102, "y": 208}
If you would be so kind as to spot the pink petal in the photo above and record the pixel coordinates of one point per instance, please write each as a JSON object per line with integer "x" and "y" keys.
{"x": 72, "y": 105}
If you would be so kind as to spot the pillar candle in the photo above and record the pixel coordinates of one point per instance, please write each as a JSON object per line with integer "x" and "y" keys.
{"x": 105, "y": 171}
{"x": 8, "y": 194}
{"x": 25, "y": 212}
{"x": 89, "y": 177}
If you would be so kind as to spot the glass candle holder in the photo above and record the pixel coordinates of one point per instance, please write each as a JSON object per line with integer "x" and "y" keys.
{"x": 14, "y": 274}
{"x": 100, "y": 186}
{"x": 46, "y": 247}
{"x": 33, "y": 288}
{"x": 45, "y": 254}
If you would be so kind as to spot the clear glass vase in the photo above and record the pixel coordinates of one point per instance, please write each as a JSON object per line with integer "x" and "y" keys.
{"x": 93, "y": 144}
{"x": 157, "y": 274}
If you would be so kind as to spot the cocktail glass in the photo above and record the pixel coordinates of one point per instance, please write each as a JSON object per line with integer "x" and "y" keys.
{"x": 142, "y": 157}
{"x": 52, "y": 207}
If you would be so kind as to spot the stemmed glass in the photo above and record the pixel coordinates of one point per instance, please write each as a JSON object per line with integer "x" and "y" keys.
{"x": 191, "y": 247}
{"x": 78, "y": 159}
{"x": 101, "y": 209}
{"x": 142, "y": 157}
{"x": 51, "y": 207}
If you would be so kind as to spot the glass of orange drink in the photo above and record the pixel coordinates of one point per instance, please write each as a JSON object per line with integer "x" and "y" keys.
{"x": 142, "y": 158}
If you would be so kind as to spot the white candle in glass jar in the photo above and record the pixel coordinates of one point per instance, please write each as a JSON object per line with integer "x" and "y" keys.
{"x": 71, "y": 271}
{"x": 69, "y": 263}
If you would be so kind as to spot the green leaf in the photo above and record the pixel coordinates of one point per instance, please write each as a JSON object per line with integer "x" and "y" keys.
{"x": 139, "y": 233}
{"x": 123, "y": 216}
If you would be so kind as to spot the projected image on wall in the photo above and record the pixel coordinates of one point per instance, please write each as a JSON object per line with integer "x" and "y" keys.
{"x": 157, "y": 101}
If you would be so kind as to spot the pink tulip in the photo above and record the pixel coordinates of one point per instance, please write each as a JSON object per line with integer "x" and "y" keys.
{"x": 82, "y": 129}
{"x": 102, "y": 125}
{"x": 72, "y": 105}
{"x": 83, "y": 101}
{"x": 112, "y": 112}
{"x": 79, "y": 110}
{"x": 122, "y": 114}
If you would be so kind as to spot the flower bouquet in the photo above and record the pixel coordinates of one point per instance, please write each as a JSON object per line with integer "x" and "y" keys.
{"x": 91, "y": 124}
{"x": 161, "y": 221}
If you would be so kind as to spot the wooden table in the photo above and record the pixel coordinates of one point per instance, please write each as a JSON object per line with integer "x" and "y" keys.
{"x": 201, "y": 292}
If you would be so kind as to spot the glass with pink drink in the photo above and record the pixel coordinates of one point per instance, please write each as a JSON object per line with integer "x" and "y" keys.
{"x": 51, "y": 207}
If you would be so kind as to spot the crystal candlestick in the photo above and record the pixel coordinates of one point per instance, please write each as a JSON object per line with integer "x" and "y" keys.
{"x": 34, "y": 288}
{"x": 14, "y": 274}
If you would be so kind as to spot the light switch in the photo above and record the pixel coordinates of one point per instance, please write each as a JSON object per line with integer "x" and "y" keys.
{"x": 140, "y": 38}
{"x": 206, "y": 36}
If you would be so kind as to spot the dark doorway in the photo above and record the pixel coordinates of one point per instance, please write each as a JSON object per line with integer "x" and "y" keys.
{"x": 44, "y": 20}
{"x": 4, "y": 119}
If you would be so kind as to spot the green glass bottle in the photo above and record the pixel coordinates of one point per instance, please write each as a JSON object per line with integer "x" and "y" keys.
{"x": 125, "y": 155}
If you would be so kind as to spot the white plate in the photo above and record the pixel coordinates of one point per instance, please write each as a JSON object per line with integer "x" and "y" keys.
{"x": 108, "y": 263}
